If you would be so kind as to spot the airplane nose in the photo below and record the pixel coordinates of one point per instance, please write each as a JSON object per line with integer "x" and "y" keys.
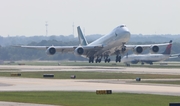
{"x": 123, "y": 31}
{"x": 127, "y": 33}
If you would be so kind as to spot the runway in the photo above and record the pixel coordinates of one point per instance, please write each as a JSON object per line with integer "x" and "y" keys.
{"x": 91, "y": 85}
{"x": 21, "y": 104}
{"x": 135, "y": 70}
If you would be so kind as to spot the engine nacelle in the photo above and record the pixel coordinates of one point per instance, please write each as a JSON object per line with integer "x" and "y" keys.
{"x": 138, "y": 50}
{"x": 79, "y": 51}
{"x": 51, "y": 51}
{"x": 154, "y": 49}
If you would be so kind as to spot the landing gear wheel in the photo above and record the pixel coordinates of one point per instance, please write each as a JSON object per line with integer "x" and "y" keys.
{"x": 98, "y": 60}
{"x": 91, "y": 59}
{"x": 109, "y": 60}
{"x": 118, "y": 58}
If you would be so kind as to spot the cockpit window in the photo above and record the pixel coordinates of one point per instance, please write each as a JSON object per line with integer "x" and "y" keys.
{"x": 122, "y": 26}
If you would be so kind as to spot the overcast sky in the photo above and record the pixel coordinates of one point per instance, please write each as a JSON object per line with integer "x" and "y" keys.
{"x": 28, "y": 17}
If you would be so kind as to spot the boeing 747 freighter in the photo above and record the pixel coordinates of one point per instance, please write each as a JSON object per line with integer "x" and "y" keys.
{"x": 113, "y": 43}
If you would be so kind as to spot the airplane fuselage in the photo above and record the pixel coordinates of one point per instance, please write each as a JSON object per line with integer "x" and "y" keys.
{"x": 146, "y": 58}
{"x": 112, "y": 41}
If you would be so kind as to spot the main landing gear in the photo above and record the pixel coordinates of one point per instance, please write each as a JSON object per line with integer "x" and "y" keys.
{"x": 98, "y": 60}
{"x": 91, "y": 59}
{"x": 107, "y": 59}
{"x": 118, "y": 58}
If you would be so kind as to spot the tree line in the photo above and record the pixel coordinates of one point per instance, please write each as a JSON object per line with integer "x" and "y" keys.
{"x": 9, "y": 53}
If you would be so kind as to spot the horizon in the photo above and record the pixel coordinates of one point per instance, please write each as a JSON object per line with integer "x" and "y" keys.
{"x": 90, "y": 35}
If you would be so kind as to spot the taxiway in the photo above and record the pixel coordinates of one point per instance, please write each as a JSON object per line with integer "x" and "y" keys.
{"x": 90, "y": 85}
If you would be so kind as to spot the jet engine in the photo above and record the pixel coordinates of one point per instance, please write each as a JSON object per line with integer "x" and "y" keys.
{"x": 51, "y": 51}
{"x": 138, "y": 50}
{"x": 154, "y": 49}
{"x": 79, "y": 51}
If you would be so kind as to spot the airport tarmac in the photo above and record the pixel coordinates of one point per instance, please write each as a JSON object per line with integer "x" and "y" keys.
{"x": 88, "y": 85}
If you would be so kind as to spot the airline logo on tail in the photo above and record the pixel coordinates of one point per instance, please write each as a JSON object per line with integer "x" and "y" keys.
{"x": 168, "y": 48}
{"x": 82, "y": 39}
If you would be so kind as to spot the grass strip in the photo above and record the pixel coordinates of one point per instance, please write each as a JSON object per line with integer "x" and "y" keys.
{"x": 88, "y": 98}
{"x": 90, "y": 75}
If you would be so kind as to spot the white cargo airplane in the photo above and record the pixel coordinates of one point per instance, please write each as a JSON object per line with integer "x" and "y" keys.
{"x": 110, "y": 44}
{"x": 149, "y": 58}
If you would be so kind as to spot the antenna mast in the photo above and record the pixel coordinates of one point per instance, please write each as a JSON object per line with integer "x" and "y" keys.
{"x": 46, "y": 28}
{"x": 73, "y": 29}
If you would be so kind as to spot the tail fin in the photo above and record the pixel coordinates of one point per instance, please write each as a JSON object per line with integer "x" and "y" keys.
{"x": 168, "y": 48}
{"x": 82, "y": 39}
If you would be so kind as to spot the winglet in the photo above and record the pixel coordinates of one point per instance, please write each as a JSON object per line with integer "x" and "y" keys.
{"x": 82, "y": 39}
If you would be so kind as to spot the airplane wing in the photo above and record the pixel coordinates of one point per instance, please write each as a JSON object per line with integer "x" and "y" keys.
{"x": 58, "y": 48}
{"x": 139, "y": 48}
{"x": 130, "y": 47}
{"x": 63, "y": 49}
{"x": 174, "y": 56}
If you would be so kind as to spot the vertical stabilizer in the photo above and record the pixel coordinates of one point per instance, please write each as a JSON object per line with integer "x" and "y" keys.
{"x": 82, "y": 39}
{"x": 168, "y": 48}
